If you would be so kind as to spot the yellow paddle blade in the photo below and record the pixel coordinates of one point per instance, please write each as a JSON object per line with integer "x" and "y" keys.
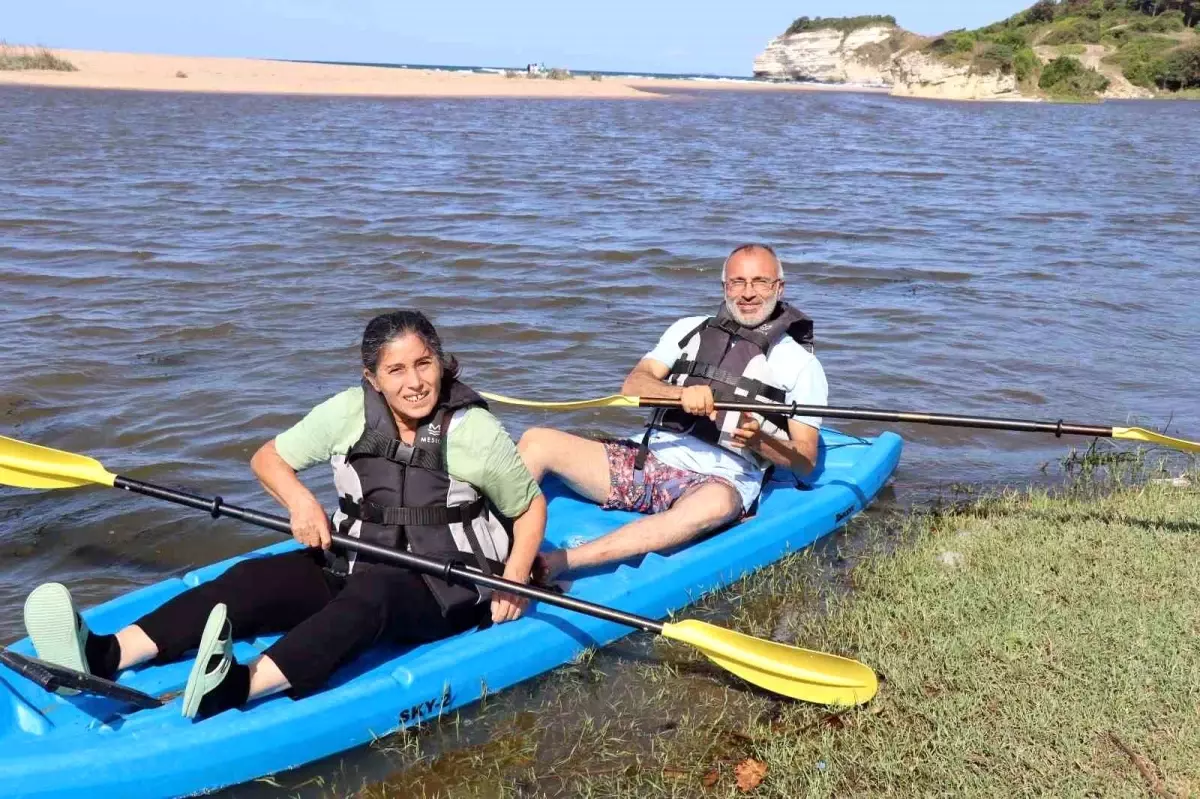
{"x": 1151, "y": 437}
{"x": 787, "y": 670}
{"x": 25, "y": 465}
{"x": 612, "y": 401}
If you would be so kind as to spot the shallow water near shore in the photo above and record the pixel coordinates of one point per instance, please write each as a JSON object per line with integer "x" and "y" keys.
{"x": 182, "y": 276}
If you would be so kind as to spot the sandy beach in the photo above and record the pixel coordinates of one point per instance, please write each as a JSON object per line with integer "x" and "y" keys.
{"x": 144, "y": 72}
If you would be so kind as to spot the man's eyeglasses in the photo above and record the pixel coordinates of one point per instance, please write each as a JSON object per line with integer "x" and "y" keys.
{"x": 760, "y": 284}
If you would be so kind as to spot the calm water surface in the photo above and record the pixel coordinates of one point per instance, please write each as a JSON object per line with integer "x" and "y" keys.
{"x": 182, "y": 276}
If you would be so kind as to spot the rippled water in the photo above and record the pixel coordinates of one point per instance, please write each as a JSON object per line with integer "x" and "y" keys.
{"x": 181, "y": 276}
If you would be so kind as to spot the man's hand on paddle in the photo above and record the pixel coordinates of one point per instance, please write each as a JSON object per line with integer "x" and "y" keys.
{"x": 310, "y": 525}
{"x": 748, "y": 427}
{"x": 698, "y": 401}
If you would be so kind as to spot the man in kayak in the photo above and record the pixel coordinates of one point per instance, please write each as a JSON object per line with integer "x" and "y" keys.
{"x": 697, "y": 468}
{"x": 418, "y": 462}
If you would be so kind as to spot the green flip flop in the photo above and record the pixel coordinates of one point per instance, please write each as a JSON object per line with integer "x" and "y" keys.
{"x": 58, "y": 632}
{"x": 215, "y": 643}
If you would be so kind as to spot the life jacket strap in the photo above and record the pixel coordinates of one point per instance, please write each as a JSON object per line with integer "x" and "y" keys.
{"x": 732, "y": 328}
{"x": 706, "y": 370}
{"x": 422, "y": 516}
{"x": 639, "y": 461}
{"x": 753, "y": 388}
{"x": 477, "y": 551}
{"x": 379, "y": 445}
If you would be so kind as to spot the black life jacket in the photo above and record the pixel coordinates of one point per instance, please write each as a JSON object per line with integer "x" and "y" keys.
{"x": 732, "y": 359}
{"x": 402, "y": 497}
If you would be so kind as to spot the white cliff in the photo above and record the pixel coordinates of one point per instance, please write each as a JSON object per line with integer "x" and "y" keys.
{"x": 827, "y": 56}
{"x": 878, "y": 55}
{"x": 922, "y": 75}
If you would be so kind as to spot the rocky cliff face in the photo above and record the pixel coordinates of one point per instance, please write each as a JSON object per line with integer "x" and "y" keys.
{"x": 879, "y": 55}
{"x": 921, "y": 75}
{"x": 829, "y": 56}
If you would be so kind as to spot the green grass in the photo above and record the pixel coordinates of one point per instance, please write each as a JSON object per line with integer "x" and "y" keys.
{"x": 18, "y": 57}
{"x": 1141, "y": 58}
{"x": 1030, "y": 644}
{"x": 1069, "y": 25}
{"x": 843, "y": 24}
{"x": 1073, "y": 30}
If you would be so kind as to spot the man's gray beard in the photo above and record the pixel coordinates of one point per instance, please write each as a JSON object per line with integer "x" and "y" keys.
{"x": 735, "y": 312}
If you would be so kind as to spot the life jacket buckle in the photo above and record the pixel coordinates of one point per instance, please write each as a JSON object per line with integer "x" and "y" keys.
{"x": 399, "y": 452}
{"x": 728, "y": 325}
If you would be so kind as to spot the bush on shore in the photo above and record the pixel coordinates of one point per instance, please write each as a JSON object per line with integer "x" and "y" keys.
{"x": 1180, "y": 69}
{"x": 1141, "y": 59}
{"x": 1067, "y": 77}
{"x": 17, "y": 57}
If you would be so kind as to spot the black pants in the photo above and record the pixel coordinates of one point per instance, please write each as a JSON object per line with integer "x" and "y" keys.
{"x": 328, "y": 620}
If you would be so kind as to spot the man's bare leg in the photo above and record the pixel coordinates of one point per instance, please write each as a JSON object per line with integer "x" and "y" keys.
{"x": 696, "y": 512}
{"x": 581, "y": 462}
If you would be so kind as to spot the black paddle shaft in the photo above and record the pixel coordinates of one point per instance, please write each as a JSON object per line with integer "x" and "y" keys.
{"x": 51, "y": 677}
{"x": 1059, "y": 428}
{"x": 450, "y": 571}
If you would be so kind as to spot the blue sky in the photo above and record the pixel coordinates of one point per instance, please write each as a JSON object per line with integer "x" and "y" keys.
{"x": 634, "y": 35}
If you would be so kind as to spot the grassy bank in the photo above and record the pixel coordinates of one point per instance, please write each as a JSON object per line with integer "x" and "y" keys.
{"x": 1029, "y": 643}
{"x": 14, "y": 57}
{"x": 1116, "y": 44}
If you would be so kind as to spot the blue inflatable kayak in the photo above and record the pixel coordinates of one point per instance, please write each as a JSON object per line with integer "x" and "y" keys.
{"x": 55, "y": 746}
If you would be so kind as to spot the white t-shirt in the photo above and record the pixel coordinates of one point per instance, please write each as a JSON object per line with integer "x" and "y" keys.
{"x": 793, "y": 368}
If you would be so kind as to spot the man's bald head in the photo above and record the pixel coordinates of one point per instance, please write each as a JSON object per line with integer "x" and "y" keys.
{"x": 753, "y": 250}
{"x": 752, "y": 278}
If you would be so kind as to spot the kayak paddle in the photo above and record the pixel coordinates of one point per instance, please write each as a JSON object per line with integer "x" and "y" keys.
{"x": 788, "y": 670}
{"x": 54, "y": 678}
{"x": 1059, "y": 428}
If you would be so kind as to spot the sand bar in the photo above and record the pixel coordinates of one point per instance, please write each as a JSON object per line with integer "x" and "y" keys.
{"x": 144, "y": 72}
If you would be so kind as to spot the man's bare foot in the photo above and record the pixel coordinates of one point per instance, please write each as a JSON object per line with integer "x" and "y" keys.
{"x": 548, "y": 565}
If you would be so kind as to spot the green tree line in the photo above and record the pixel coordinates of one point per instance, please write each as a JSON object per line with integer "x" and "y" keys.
{"x": 843, "y": 24}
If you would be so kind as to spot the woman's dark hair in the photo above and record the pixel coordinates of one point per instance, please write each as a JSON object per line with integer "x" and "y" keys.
{"x": 388, "y": 327}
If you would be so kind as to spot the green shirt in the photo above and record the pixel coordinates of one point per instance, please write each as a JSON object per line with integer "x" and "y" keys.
{"x": 478, "y": 449}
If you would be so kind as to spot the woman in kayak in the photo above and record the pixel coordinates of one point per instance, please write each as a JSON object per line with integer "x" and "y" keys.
{"x": 419, "y": 463}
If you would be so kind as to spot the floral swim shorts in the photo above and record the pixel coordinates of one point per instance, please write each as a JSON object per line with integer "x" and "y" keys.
{"x": 661, "y": 485}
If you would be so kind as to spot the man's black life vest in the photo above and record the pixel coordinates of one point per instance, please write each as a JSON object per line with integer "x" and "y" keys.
{"x": 732, "y": 359}
{"x": 401, "y": 496}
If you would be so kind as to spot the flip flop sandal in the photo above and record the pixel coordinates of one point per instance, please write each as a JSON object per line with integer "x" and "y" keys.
{"x": 216, "y": 644}
{"x": 58, "y": 632}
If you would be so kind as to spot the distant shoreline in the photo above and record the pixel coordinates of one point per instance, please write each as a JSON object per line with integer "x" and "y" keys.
{"x": 220, "y": 75}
